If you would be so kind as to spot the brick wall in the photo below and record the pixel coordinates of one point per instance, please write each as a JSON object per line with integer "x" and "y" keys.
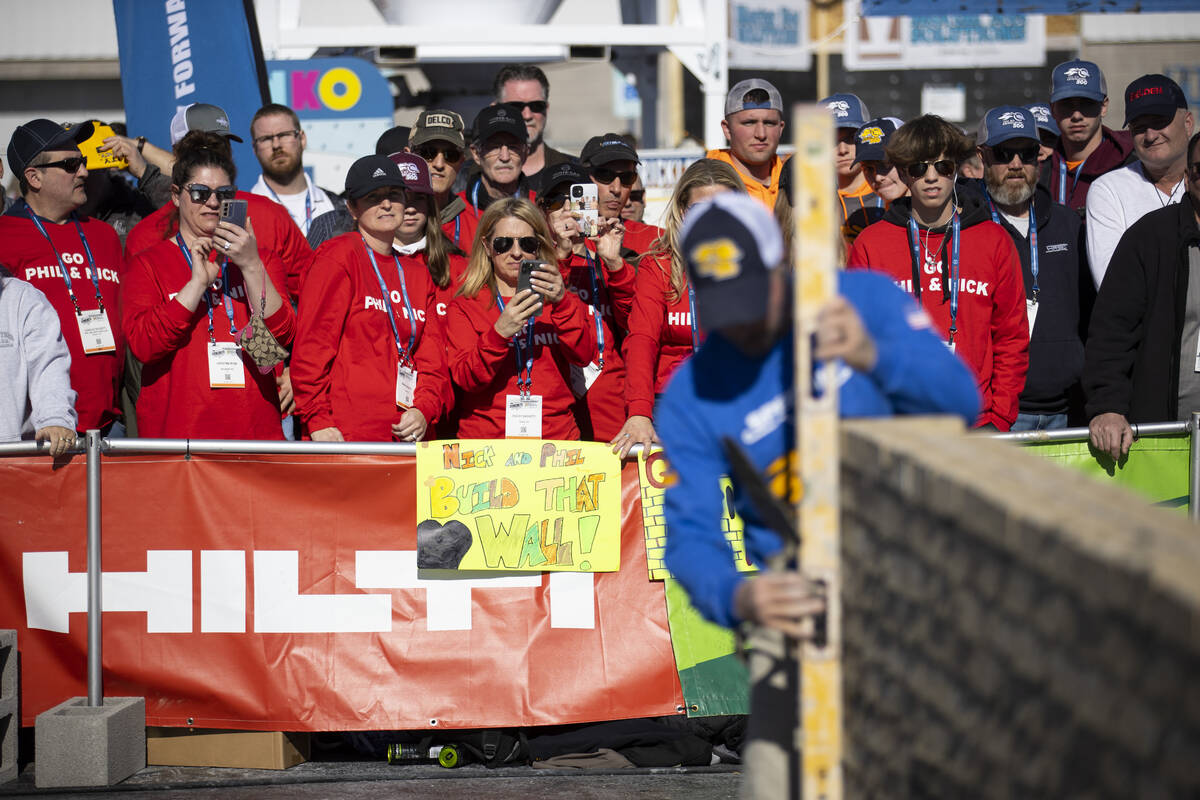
{"x": 1011, "y": 629}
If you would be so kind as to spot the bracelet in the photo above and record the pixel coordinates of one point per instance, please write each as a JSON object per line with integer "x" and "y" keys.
{"x": 141, "y": 142}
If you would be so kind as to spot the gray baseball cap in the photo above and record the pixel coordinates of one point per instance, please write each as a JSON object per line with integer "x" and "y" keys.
{"x": 200, "y": 117}
{"x": 735, "y": 100}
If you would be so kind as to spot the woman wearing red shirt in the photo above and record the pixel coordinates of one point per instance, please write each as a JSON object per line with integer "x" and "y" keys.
{"x": 183, "y": 302}
{"x": 662, "y": 331}
{"x": 510, "y": 358}
{"x": 368, "y": 365}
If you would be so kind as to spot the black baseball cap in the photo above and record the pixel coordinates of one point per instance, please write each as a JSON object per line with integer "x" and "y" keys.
{"x": 39, "y": 135}
{"x": 1154, "y": 96}
{"x": 370, "y": 173}
{"x": 603, "y": 149}
{"x": 562, "y": 174}
{"x": 500, "y": 118}
{"x": 393, "y": 140}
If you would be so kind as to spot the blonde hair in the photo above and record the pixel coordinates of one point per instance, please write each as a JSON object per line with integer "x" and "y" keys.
{"x": 705, "y": 172}
{"x": 480, "y": 272}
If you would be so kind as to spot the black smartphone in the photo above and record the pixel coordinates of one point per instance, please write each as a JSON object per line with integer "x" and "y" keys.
{"x": 234, "y": 211}
{"x": 523, "y": 277}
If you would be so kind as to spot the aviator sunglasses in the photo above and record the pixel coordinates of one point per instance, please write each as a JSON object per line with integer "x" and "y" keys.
{"x": 945, "y": 168}
{"x": 71, "y": 164}
{"x": 1004, "y": 154}
{"x": 528, "y": 244}
{"x": 536, "y": 106}
{"x": 606, "y": 175}
{"x": 449, "y": 152}
{"x": 200, "y": 193}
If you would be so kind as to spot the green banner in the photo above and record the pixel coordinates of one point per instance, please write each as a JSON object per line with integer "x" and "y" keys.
{"x": 1156, "y": 467}
{"x": 713, "y": 678}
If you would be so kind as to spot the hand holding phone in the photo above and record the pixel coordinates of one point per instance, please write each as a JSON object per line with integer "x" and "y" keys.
{"x": 525, "y": 276}
{"x": 585, "y": 203}
{"x": 234, "y": 211}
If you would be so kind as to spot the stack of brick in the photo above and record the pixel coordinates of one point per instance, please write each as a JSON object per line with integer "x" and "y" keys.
{"x": 1011, "y": 629}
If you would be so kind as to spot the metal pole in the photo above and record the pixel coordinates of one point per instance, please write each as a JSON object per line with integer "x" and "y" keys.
{"x": 1194, "y": 485}
{"x": 95, "y": 677}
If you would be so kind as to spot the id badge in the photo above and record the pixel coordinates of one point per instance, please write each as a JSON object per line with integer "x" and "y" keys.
{"x": 406, "y": 386}
{"x": 1031, "y": 309}
{"x": 95, "y": 332}
{"x": 950, "y": 345}
{"x": 523, "y": 416}
{"x": 225, "y": 369}
{"x": 590, "y": 373}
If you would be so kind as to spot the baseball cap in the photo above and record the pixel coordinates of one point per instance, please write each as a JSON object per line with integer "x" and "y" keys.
{"x": 871, "y": 138}
{"x": 1077, "y": 79}
{"x": 848, "y": 111}
{"x": 200, "y": 117}
{"x": 606, "y": 148}
{"x": 414, "y": 171}
{"x": 735, "y": 100}
{"x": 559, "y": 174}
{"x": 438, "y": 125}
{"x": 500, "y": 118}
{"x": 393, "y": 140}
{"x": 1153, "y": 95}
{"x": 38, "y": 135}
{"x": 1002, "y": 123}
{"x": 370, "y": 173}
{"x": 1041, "y": 115}
{"x": 731, "y": 243}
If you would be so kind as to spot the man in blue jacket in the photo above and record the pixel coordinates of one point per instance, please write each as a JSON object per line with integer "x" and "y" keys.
{"x": 739, "y": 385}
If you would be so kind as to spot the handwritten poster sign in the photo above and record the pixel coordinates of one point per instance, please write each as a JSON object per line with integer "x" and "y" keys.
{"x": 523, "y": 505}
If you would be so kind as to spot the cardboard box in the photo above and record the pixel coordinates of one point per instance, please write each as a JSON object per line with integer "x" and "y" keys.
{"x": 189, "y": 747}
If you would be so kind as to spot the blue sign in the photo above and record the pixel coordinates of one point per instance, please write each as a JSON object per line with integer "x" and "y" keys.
{"x": 330, "y": 88}
{"x": 917, "y": 8}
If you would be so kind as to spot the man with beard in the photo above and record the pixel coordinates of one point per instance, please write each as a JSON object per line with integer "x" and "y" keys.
{"x": 753, "y": 125}
{"x": 1157, "y": 115}
{"x": 279, "y": 144}
{"x": 500, "y": 149}
{"x": 1049, "y": 241}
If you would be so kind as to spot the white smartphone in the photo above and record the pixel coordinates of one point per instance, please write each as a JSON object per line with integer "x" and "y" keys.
{"x": 585, "y": 202}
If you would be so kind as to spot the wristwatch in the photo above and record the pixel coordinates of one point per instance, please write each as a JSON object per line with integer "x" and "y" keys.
{"x": 141, "y": 142}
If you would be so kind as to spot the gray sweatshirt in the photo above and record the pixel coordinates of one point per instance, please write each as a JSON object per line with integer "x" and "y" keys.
{"x": 35, "y": 365}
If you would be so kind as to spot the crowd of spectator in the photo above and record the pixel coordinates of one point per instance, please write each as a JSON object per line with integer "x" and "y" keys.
{"x": 1057, "y": 257}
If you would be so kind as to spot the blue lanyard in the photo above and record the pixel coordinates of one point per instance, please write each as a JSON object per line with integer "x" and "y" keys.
{"x": 1062, "y": 178}
{"x": 307, "y": 203}
{"x": 62, "y": 268}
{"x": 913, "y": 238}
{"x": 692, "y": 318}
{"x": 457, "y": 228}
{"x": 187, "y": 255}
{"x": 1033, "y": 248}
{"x": 524, "y": 361}
{"x": 596, "y": 305}
{"x": 405, "y": 355}
{"x": 475, "y": 193}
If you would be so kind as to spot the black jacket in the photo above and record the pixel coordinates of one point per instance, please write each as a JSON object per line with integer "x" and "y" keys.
{"x": 1131, "y": 363}
{"x": 1065, "y": 297}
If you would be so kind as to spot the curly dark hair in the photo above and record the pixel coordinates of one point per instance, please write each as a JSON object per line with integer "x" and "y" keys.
{"x": 201, "y": 149}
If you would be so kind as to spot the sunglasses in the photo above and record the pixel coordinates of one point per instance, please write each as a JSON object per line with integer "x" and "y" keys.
{"x": 528, "y": 244}
{"x": 200, "y": 193}
{"x": 1004, "y": 154}
{"x": 877, "y": 167}
{"x": 637, "y": 196}
{"x": 429, "y": 152}
{"x": 606, "y": 175}
{"x": 552, "y": 202}
{"x": 945, "y": 168}
{"x": 71, "y": 164}
{"x": 536, "y": 106}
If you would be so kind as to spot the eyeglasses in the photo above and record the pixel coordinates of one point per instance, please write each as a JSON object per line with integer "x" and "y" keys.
{"x": 552, "y": 202}
{"x": 200, "y": 193}
{"x": 536, "y": 106}
{"x": 637, "y": 196}
{"x": 430, "y": 152}
{"x": 284, "y": 137}
{"x": 71, "y": 164}
{"x": 878, "y": 167}
{"x": 945, "y": 168}
{"x": 1004, "y": 154}
{"x": 606, "y": 175}
{"x": 528, "y": 244}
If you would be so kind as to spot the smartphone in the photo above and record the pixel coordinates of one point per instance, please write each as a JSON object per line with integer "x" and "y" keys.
{"x": 585, "y": 202}
{"x": 234, "y": 211}
{"x": 527, "y": 268}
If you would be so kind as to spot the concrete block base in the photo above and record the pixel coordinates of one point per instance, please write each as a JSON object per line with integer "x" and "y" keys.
{"x": 77, "y": 745}
{"x": 10, "y": 726}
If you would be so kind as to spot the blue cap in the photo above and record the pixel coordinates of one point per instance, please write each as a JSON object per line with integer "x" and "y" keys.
{"x": 1006, "y": 122}
{"x": 848, "y": 111}
{"x": 871, "y": 138}
{"x": 1077, "y": 79}
{"x": 1043, "y": 118}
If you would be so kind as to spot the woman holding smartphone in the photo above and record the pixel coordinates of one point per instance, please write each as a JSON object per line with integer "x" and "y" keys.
{"x": 511, "y": 348}
{"x": 369, "y": 362}
{"x": 185, "y": 300}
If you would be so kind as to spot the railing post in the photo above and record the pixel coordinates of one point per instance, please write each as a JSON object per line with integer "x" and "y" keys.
{"x": 1194, "y": 472}
{"x": 95, "y": 677}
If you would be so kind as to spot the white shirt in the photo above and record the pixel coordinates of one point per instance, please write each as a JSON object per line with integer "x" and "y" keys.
{"x": 1116, "y": 201}
{"x": 297, "y": 207}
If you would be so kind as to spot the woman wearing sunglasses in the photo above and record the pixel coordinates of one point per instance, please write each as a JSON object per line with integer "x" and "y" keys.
{"x": 941, "y": 245}
{"x": 369, "y": 363}
{"x": 511, "y": 351}
{"x": 185, "y": 301}
{"x": 662, "y": 329}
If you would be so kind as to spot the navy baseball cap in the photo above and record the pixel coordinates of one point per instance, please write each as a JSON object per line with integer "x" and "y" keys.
{"x": 370, "y": 173}
{"x": 1002, "y": 123}
{"x": 871, "y": 138}
{"x": 848, "y": 111}
{"x": 500, "y": 118}
{"x": 1043, "y": 118}
{"x": 1077, "y": 79}
{"x": 563, "y": 174}
{"x": 731, "y": 244}
{"x": 39, "y": 135}
{"x": 1153, "y": 96}
{"x": 606, "y": 148}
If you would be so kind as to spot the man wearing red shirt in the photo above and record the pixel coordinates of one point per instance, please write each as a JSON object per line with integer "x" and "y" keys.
{"x": 75, "y": 262}
{"x": 612, "y": 165}
{"x": 941, "y": 244}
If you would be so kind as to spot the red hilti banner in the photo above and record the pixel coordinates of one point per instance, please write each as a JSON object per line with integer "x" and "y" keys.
{"x": 281, "y": 593}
